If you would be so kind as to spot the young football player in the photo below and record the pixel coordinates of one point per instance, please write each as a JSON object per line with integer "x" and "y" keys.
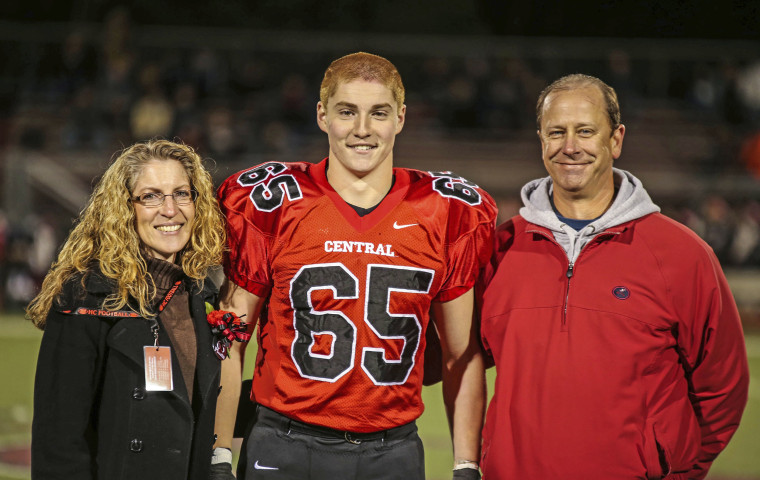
{"x": 341, "y": 262}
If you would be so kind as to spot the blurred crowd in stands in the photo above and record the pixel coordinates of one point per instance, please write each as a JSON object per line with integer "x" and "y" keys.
{"x": 102, "y": 92}
{"x": 104, "y": 89}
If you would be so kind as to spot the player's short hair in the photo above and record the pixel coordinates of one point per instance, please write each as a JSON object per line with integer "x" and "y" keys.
{"x": 577, "y": 81}
{"x": 364, "y": 66}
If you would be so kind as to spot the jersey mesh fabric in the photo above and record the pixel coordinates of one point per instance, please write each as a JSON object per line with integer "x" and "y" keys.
{"x": 342, "y": 337}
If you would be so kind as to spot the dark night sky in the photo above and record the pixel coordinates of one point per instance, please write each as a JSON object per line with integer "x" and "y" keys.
{"x": 611, "y": 18}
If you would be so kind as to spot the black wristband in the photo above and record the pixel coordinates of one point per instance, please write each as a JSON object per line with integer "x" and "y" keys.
{"x": 466, "y": 474}
{"x": 221, "y": 471}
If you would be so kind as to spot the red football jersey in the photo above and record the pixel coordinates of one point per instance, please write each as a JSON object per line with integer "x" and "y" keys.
{"x": 342, "y": 337}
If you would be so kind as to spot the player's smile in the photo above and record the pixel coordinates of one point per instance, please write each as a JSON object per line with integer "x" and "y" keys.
{"x": 362, "y": 148}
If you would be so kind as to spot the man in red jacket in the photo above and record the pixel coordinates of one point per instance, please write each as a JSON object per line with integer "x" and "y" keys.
{"x": 616, "y": 340}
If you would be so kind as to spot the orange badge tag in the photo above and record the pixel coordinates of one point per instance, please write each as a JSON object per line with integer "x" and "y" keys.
{"x": 158, "y": 369}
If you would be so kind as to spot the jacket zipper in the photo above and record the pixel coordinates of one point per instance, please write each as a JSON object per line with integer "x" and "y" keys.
{"x": 571, "y": 266}
{"x": 569, "y": 275}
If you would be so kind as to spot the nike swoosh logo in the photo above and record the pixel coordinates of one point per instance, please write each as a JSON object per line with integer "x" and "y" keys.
{"x": 262, "y": 467}
{"x": 399, "y": 227}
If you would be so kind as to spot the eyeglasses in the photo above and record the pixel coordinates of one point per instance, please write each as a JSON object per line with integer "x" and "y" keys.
{"x": 154, "y": 199}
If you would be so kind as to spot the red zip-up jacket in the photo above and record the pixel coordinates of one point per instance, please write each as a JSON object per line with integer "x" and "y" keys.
{"x": 628, "y": 364}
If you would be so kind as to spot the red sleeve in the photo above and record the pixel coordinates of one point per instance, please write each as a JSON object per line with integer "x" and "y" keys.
{"x": 712, "y": 345}
{"x": 503, "y": 237}
{"x": 246, "y": 259}
{"x": 469, "y": 245}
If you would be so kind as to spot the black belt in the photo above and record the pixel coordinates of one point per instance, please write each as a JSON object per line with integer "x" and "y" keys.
{"x": 271, "y": 418}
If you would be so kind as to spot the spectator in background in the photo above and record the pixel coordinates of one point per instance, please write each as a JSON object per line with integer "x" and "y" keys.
{"x": 116, "y": 42}
{"x": 209, "y": 72}
{"x": 43, "y": 248}
{"x": 717, "y": 225}
{"x": 116, "y": 93}
{"x": 188, "y": 114}
{"x": 461, "y": 109}
{"x": 295, "y": 102}
{"x": 750, "y": 154}
{"x": 84, "y": 126}
{"x": 622, "y": 80}
{"x": 18, "y": 282}
{"x": 618, "y": 347}
{"x": 152, "y": 115}
{"x": 3, "y": 248}
{"x": 434, "y": 98}
{"x": 222, "y": 137}
{"x": 745, "y": 245}
{"x": 732, "y": 107}
{"x": 506, "y": 91}
{"x": 72, "y": 66}
{"x": 748, "y": 85}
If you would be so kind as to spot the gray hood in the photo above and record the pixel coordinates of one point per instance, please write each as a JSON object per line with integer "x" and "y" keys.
{"x": 631, "y": 202}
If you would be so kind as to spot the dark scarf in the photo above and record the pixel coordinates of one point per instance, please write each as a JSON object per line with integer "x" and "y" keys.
{"x": 176, "y": 319}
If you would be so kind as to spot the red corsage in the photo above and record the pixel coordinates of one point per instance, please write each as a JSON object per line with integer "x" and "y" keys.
{"x": 226, "y": 327}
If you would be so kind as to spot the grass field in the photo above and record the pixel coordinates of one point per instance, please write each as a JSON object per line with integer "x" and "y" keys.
{"x": 19, "y": 343}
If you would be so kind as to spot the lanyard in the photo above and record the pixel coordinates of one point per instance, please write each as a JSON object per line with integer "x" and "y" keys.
{"x": 153, "y": 322}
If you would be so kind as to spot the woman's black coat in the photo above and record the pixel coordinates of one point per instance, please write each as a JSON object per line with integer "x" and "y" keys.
{"x": 93, "y": 418}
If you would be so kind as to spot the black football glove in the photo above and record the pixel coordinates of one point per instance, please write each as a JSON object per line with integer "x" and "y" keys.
{"x": 221, "y": 471}
{"x": 466, "y": 474}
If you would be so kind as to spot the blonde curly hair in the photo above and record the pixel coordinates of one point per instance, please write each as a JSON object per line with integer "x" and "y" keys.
{"x": 105, "y": 232}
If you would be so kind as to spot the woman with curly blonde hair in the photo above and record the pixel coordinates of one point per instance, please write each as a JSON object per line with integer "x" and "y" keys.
{"x": 127, "y": 378}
